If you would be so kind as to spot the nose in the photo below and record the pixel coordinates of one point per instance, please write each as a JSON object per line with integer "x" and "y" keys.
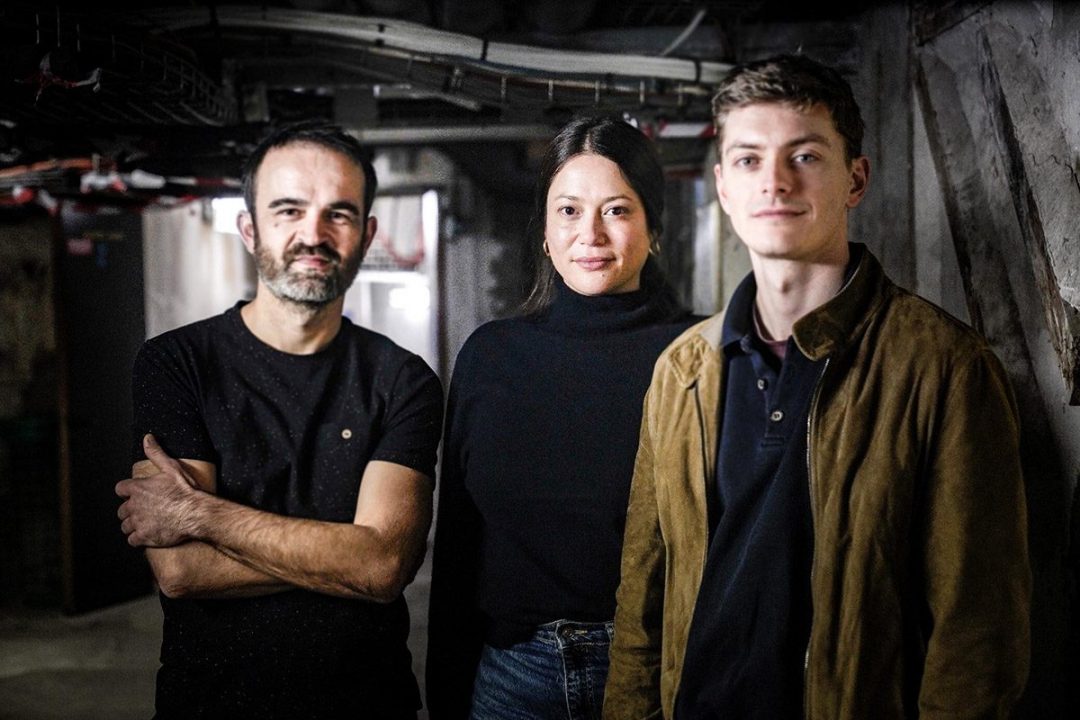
{"x": 592, "y": 229}
{"x": 776, "y": 178}
{"x": 312, "y": 230}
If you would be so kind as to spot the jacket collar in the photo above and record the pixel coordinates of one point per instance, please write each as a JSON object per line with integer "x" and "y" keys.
{"x": 691, "y": 360}
{"x": 819, "y": 334}
{"x": 831, "y": 327}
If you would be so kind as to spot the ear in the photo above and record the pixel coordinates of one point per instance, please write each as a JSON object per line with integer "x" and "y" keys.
{"x": 370, "y": 228}
{"x": 246, "y": 225}
{"x": 721, "y": 191}
{"x": 860, "y": 178}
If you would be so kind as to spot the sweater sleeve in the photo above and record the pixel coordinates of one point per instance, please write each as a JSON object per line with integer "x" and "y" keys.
{"x": 978, "y": 579}
{"x": 455, "y": 629}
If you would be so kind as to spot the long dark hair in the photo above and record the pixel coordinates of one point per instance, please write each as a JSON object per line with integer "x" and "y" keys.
{"x": 627, "y": 147}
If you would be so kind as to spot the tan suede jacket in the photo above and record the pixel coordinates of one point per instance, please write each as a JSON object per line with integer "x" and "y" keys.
{"x": 920, "y": 580}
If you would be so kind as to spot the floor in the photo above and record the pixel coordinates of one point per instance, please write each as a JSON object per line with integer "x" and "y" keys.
{"x": 88, "y": 667}
{"x": 101, "y": 665}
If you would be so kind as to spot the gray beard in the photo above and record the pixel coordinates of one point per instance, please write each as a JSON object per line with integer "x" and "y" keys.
{"x": 305, "y": 287}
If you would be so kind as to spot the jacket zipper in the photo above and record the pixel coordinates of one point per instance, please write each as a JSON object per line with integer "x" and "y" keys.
{"x": 813, "y": 522}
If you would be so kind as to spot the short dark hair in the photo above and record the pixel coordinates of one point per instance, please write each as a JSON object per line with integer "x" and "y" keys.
{"x": 315, "y": 132}
{"x": 796, "y": 80}
{"x": 627, "y": 147}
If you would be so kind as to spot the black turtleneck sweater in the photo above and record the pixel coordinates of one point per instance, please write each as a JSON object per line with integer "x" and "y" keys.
{"x": 541, "y": 433}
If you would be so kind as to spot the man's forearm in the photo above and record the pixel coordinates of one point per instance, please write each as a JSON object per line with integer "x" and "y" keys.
{"x": 371, "y": 558}
{"x": 198, "y": 570}
{"x": 342, "y": 559}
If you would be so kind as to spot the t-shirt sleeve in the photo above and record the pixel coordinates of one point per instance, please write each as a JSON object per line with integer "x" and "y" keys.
{"x": 413, "y": 422}
{"x": 165, "y": 402}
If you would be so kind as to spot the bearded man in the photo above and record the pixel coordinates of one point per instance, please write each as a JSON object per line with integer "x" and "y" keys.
{"x": 283, "y": 465}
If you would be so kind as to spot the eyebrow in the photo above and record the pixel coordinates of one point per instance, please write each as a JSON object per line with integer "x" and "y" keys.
{"x": 605, "y": 200}
{"x": 801, "y": 140}
{"x": 285, "y": 201}
{"x": 296, "y": 202}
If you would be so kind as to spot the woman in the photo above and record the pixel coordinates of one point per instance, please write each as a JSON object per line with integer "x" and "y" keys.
{"x": 541, "y": 432}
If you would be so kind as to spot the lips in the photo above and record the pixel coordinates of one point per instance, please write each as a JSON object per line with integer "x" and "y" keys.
{"x": 312, "y": 261}
{"x": 776, "y": 213}
{"x": 316, "y": 258}
{"x": 593, "y": 263}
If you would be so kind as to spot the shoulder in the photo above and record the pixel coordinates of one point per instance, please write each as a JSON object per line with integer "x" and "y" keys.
{"x": 925, "y": 331}
{"x": 200, "y": 330}
{"x": 498, "y": 331}
{"x": 683, "y": 325}
{"x": 495, "y": 337}
{"x": 693, "y": 352}
{"x": 187, "y": 342}
{"x": 382, "y": 358}
{"x": 701, "y": 335}
{"x": 373, "y": 344}
{"x": 915, "y": 344}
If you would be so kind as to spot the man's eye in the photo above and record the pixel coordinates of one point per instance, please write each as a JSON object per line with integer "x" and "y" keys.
{"x": 341, "y": 217}
{"x": 744, "y": 161}
{"x": 805, "y": 158}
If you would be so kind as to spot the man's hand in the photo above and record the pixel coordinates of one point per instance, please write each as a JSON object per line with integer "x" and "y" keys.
{"x": 158, "y": 510}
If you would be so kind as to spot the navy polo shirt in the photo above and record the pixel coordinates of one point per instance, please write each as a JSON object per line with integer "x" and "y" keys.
{"x": 748, "y": 637}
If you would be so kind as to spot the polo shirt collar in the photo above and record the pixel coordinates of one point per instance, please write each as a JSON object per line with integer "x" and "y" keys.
{"x": 824, "y": 330}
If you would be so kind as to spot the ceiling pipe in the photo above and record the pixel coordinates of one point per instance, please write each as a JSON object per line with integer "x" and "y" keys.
{"x": 698, "y": 17}
{"x": 418, "y": 38}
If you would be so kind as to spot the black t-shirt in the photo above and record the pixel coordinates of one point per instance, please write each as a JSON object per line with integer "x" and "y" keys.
{"x": 289, "y": 434}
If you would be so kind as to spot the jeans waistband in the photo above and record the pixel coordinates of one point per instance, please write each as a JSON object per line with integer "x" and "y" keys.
{"x": 565, "y": 633}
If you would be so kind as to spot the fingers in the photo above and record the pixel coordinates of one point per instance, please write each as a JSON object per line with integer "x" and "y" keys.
{"x": 123, "y": 488}
{"x": 155, "y": 454}
{"x": 136, "y": 537}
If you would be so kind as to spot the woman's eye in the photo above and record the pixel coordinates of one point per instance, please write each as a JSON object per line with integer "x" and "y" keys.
{"x": 565, "y": 210}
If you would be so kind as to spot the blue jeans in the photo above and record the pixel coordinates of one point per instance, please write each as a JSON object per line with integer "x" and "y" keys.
{"x": 558, "y": 674}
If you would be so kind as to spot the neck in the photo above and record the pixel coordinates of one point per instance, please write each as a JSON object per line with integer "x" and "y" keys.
{"x": 574, "y": 313}
{"x": 290, "y": 327}
{"x": 789, "y": 289}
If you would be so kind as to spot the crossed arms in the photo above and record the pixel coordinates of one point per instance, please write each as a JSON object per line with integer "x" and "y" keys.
{"x": 200, "y": 545}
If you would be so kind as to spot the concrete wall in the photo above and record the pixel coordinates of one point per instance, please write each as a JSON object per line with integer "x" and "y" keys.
{"x": 998, "y": 91}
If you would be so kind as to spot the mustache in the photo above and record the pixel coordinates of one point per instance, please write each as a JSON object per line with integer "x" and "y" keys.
{"x": 319, "y": 250}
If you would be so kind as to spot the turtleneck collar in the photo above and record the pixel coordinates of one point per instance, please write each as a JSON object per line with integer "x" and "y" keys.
{"x": 573, "y": 312}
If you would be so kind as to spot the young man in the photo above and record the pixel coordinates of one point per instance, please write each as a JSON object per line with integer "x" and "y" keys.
{"x": 827, "y": 516}
{"x": 284, "y": 465}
